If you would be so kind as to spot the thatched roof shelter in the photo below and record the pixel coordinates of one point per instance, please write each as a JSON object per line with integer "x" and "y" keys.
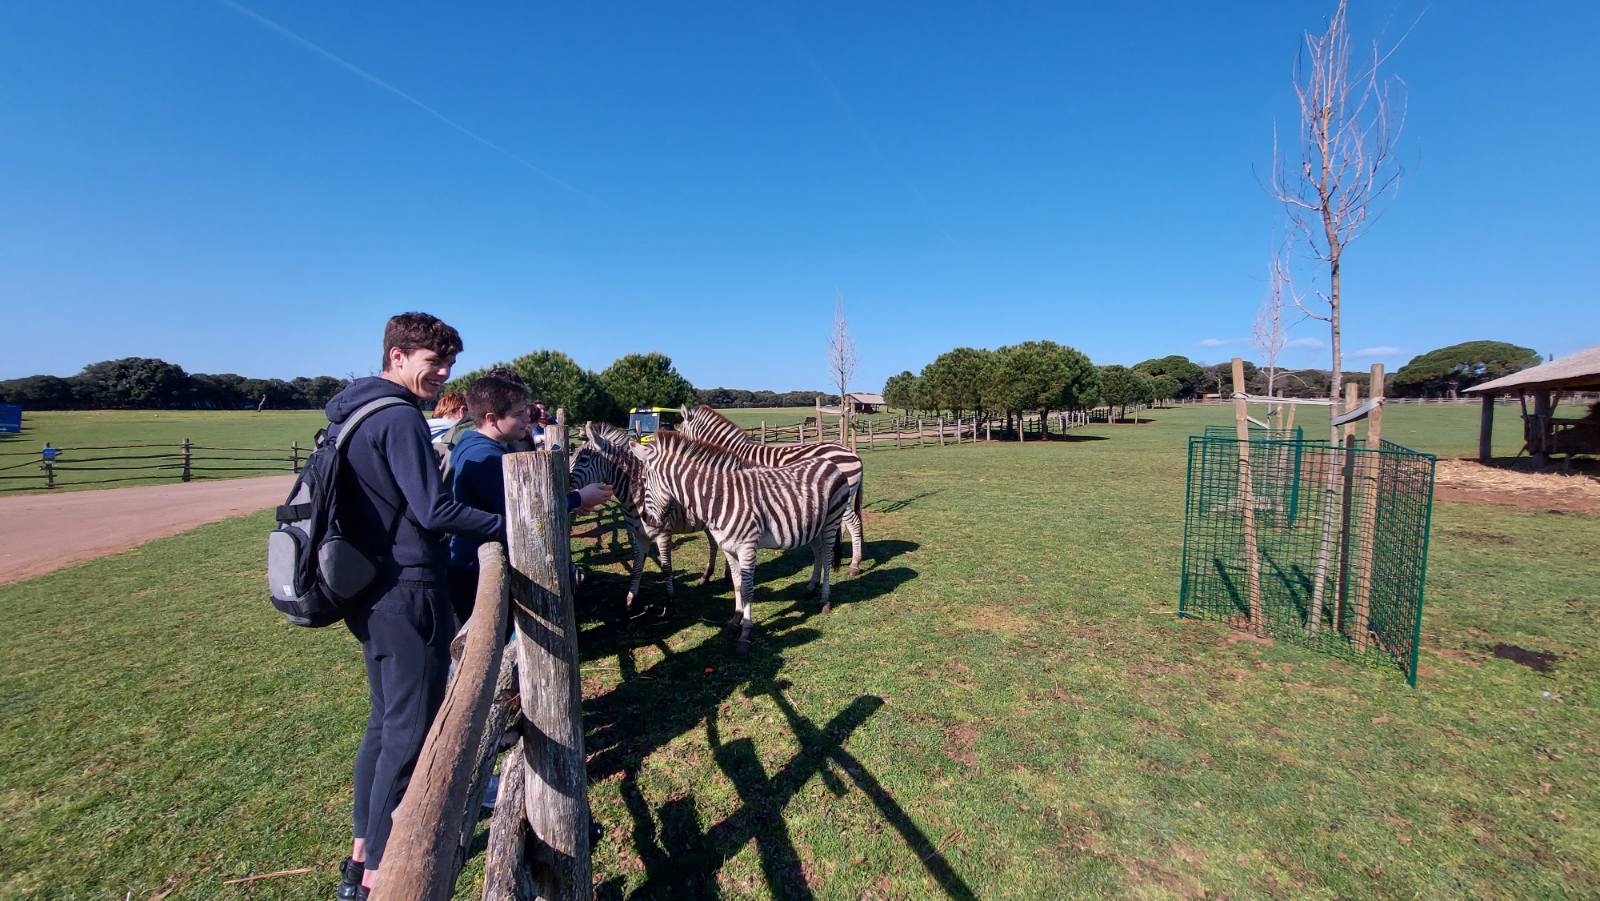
{"x": 1574, "y": 372}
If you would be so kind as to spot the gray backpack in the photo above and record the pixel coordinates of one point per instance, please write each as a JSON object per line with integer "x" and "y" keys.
{"x": 313, "y": 571}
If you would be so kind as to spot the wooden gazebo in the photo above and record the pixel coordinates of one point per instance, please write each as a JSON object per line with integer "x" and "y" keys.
{"x": 1542, "y": 432}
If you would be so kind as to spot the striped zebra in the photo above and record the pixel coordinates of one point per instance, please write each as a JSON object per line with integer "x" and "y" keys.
{"x": 706, "y": 424}
{"x": 745, "y": 508}
{"x": 604, "y": 459}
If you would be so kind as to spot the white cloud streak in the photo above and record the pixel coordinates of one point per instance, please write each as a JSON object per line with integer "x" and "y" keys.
{"x": 377, "y": 82}
{"x": 1383, "y": 350}
{"x": 1312, "y": 343}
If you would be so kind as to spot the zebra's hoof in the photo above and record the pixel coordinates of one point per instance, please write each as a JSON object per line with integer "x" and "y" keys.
{"x": 855, "y": 571}
{"x": 827, "y": 607}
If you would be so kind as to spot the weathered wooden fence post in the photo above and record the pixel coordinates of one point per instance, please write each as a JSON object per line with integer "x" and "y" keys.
{"x": 919, "y": 431}
{"x": 763, "y": 431}
{"x": 941, "y": 430}
{"x": 554, "y": 781}
{"x": 421, "y": 860}
{"x": 187, "y": 458}
{"x": 1247, "y": 500}
{"x": 1371, "y": 471}
{"x": 294, "y": 459}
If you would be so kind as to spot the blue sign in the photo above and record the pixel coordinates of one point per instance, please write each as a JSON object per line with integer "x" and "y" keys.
{"x": 10, "y": 418}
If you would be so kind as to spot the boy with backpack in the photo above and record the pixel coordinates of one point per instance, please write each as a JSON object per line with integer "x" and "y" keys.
{"x": 393, "y": 509}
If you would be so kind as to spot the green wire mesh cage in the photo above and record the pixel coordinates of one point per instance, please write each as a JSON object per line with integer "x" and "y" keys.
{"x": 1340, "y": 536}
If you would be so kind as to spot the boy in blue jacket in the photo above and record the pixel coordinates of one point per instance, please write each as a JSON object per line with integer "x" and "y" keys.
{"x": 498, "y": 407}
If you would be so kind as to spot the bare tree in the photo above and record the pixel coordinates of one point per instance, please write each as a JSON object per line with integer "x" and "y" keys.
{"x": 1270, "y": 335}
{"x": 1331, "y": 185}
{"x": 841, "y": 364}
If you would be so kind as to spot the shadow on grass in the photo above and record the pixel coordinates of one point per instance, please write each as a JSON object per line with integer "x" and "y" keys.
{"x": 681, "y": 860}
{"x": 1010, "y": 437}
{"x": 684, "y": 689}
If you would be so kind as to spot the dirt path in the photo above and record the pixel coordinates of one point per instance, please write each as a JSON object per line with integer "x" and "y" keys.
{"x": 44, "y": 532}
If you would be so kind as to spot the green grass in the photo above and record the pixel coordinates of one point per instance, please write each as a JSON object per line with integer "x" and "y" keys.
{"x": 1004, "y": 705}
{"x": 266, "y": 431}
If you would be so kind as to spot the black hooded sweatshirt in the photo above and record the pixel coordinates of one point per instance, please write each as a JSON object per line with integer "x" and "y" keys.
{"x": 396, "y": 486}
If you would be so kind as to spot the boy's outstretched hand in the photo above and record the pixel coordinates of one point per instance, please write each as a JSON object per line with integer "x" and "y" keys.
{"x": 592, "y": 496}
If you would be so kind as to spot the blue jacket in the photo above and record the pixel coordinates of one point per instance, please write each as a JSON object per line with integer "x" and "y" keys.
{"x": 392, "y": 483}
{"x": 479, "y": 481}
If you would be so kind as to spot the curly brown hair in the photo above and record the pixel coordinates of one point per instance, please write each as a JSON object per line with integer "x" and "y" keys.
{"x": 416, "y": 331}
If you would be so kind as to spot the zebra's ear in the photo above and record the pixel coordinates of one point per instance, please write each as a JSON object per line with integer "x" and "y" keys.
{"x": 639, "y": 451}
{"x": 587, "y": 435}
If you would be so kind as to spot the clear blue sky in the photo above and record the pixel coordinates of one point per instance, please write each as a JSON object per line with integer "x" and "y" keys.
{"x": 254, "y": 188}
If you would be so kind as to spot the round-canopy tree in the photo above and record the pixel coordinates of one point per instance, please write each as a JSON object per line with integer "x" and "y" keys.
{"x": 1122, "y": 388}
{"x": 901, "y": 391}
{"x": 646, "y": 380}
{"x": 1451, "y": 370}
{"x": 1190, "y": 376}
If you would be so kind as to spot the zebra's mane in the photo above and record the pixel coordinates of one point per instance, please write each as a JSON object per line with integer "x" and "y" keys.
{"x": 696, "y": 452}
{"x": 718, "y": 423}
{"x": 607, "y": 438}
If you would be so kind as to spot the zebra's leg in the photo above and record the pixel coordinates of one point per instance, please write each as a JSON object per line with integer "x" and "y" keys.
{"x": 747, "y": 594}
{"x": 852, "y": 521}
{"x": 829, "y": 548}
{"x": 711, "y": 560}
{"x": 733, "y": 573}
{"x": 664, "y": 553}
{"x": 818, "y": 562}
{"x": 640, "y": 546}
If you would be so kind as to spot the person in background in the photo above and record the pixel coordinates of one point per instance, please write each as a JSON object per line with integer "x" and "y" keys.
{"x": 450, "y": 409}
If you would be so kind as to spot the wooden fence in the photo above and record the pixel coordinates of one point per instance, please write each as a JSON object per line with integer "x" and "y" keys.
{"x": 66, "y": 467}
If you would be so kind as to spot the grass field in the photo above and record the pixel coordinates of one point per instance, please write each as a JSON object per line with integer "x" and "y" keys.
{"x": 1450, "y": 430}
{"x": 1003, "y": 705}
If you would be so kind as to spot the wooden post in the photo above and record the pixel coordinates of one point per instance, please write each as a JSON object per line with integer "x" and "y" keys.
{"x": 294, "y": 449}
{"x": 988, "y": 430}
{"x": 802, "y": 432}
{"x": 1352, "y": 399}
{"x": 1541, "y": 428}
{"x": 763, "y": 431}
{"x": 897, "y": 435}
{"x": 420, "y": 860}
{"x": 507, "y": 875}
{"x": 1485, "y": 429}
{"x": 941, "y": 430}
{"x": 1288, "y": 423}
{"x": 1371, "y": 470}
{"x": 506, "y": 700}
{"x": 552, "y": 761}
{"x": 1247, "y": 500}
{"x": 869, "y": 434}
{"x": 187, "y": 458}
{"x": 919, "y": 431}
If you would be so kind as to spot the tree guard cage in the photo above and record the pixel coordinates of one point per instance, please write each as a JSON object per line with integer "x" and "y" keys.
{"x": 1321, "y": 544}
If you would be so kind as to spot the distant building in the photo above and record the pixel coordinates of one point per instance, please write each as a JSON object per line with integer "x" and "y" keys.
{"x": 864, "y": 403}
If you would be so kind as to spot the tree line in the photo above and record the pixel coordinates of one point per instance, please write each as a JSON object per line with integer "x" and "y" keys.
{"x": 144, "y": 383}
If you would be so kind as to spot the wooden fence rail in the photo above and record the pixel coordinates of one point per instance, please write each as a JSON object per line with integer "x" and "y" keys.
{"x": 61, "y": 467}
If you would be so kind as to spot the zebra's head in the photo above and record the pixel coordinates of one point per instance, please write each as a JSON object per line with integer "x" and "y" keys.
{"x": 600, "y": 458}
{"x": 654, "y": 500}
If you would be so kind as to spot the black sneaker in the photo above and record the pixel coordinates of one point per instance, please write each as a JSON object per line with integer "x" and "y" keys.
{"x": 350, "y": 881}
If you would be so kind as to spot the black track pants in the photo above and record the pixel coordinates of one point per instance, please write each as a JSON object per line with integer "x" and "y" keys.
{"x": 405, "y": 640}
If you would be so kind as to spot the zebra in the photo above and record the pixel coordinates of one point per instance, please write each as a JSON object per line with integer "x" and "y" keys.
{"x": 706, "y": 424}
{"x": 604, "y": 459}
{"x": 745, "y": 508}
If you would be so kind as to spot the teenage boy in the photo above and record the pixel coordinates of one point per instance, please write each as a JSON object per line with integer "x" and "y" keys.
{"x": 397, "y": 512}
{"x": 498, "y": 407}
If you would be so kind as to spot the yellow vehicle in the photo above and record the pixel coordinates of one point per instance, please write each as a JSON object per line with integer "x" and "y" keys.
{"x": 644, "y": 422}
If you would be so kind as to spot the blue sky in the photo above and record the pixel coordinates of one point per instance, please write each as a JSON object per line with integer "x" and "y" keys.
{"x": 256, "y": 187}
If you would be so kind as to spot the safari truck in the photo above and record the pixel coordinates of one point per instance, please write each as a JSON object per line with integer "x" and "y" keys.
{"x": 644, "y": 422}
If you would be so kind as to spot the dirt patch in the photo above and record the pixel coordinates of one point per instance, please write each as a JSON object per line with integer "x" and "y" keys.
{"x": 958, "y": 744}
{"x": 1000, "y": 620}
{"x": 1468, "y": 481}
{"x": 44, "y": 532}
{"x": 1480, "y": 537}
{"x": 1538, "y": 661}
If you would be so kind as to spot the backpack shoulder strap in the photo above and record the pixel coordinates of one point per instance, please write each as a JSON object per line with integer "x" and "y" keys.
{"x": 361, "y": 414}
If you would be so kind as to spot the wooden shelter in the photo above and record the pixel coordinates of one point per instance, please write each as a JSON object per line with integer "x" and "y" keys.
{"x": 1542, "y": 432}
{"x": 861, "y": 402}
